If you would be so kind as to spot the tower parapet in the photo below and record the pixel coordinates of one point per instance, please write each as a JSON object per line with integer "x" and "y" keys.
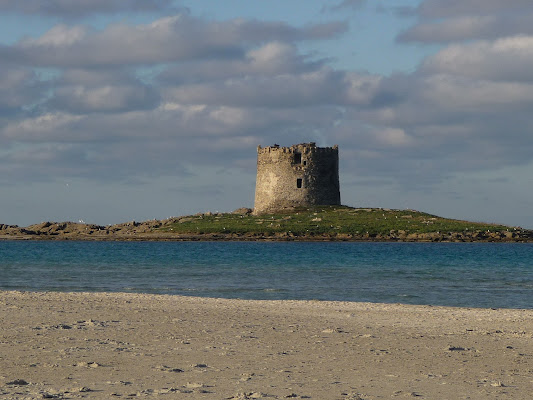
{"x": 300, "y": 175}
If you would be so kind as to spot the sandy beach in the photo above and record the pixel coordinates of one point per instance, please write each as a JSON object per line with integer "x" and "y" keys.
{"x": 101, "y": 345}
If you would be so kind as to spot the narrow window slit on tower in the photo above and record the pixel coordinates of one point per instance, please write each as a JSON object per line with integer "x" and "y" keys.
{"x": 297, "y": 158}
{"x": 299, "y": 183}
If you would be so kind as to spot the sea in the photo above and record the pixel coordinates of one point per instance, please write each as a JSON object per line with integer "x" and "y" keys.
{"x": 488, "y": 275}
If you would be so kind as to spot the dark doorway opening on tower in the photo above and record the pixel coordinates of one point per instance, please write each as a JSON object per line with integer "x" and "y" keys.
{"x": 299, "y": 183}
{"x": 297, "y": 158}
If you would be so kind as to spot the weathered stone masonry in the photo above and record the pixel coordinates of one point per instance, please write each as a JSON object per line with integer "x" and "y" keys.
{"x": 300, "y": 175}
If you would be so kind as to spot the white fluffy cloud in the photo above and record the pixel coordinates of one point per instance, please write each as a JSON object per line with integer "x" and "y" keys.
{"x": 169, "y": 39}
{"x": 508, "y": 58}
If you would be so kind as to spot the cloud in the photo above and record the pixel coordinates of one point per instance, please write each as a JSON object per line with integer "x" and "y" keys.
{"x": 104, "y": 98}
{"x": 271, "y": 59}
{"x": 273, "y": 75}
{"x": 50, "y": 127}
{"x": 19, "y": 87}
{"x": 469, "y": 27}
{"x": 99, "y": 109}
{"x": 444, "y": 21}
{"x": 280, "y": 91}
{"x": 169, "y": 39}
{"x": 88, "y": 91}
{"x": 392, "y": 137}
{"x": 76, "y": 8}
{"x": 453, "y": 8}
{"x": 465, "y": 108}
{"x": 354, "y": 4}
{"x": 153, "y": 99}
{"x": 456, "y": 122}
{"x": 509, "y": 58}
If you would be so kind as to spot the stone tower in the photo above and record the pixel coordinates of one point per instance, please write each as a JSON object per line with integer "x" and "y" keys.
{"x": 300, "y": 175}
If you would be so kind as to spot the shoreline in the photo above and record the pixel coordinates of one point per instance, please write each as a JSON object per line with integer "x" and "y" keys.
{"x": 215, "y": 237}
{"x": 97, "y": 345}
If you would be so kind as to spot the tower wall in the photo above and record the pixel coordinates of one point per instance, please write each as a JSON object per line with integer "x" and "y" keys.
{"x": 300, "y": 175}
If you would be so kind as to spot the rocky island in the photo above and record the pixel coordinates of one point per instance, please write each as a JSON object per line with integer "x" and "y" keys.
{"x": 318, "y": 223}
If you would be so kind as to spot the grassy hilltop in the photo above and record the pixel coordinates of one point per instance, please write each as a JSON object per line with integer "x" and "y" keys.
{"x": 341, "y": 222}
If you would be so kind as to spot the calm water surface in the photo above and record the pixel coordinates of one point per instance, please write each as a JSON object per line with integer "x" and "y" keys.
{"x": 454, "y": 274}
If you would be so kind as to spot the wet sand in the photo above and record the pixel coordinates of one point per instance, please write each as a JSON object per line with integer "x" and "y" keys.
{"x": 101, "y": 345}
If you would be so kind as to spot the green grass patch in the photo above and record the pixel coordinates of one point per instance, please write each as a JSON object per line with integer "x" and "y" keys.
{"x": 325, "y": 220}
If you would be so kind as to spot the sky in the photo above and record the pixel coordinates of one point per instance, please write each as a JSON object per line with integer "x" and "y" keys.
{"x": 121, "y": 110}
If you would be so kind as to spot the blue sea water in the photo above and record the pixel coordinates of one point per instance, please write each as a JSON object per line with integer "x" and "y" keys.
{"x": 498, "y": 275}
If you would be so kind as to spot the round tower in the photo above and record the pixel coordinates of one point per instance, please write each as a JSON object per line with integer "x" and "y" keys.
{"x": 300, "y": 175}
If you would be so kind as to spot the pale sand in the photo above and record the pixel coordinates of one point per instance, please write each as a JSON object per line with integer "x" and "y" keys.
{"x": 101, "y": 345}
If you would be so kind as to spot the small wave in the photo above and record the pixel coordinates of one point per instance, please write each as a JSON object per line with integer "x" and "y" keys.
{"x": 408, "y": 296}
{"x": 273, "y": 290}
